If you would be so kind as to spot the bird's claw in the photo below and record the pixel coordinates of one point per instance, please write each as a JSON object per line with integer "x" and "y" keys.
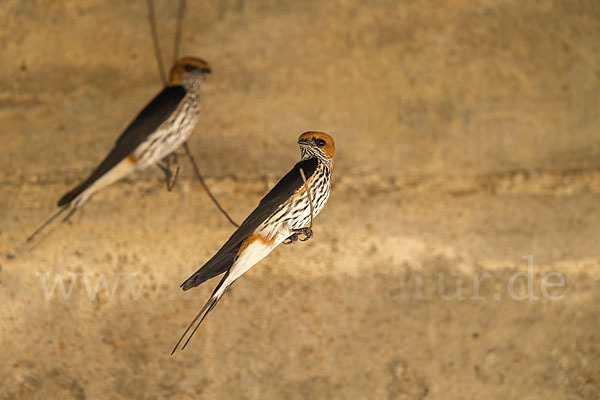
{"x": 291, "y": 240}
{"x": 306, "y": 232}
{"x": 171, "y": 182}
{"x": 172, "y": 158}
{"x": 165, "y": 166}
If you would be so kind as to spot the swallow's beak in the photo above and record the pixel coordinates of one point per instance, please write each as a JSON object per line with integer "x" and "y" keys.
{"x": 206, "y": 70}
{"x": 303, "y": 142}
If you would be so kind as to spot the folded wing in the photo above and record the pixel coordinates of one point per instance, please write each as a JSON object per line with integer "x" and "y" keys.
{"x": 147, "y": 121}
{"x": 224, "y": 258}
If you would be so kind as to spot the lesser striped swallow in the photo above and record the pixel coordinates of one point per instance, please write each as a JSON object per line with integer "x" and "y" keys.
{"x": 281, "y": 215}
{"x": 157, "y": 131}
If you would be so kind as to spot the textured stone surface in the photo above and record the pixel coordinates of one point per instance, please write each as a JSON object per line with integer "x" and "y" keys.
{"x": 467, "y": 137}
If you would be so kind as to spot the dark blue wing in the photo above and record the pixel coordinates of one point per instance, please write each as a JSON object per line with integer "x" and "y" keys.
{"x": 285, "y": 188}
{"x": 147, "y": 121}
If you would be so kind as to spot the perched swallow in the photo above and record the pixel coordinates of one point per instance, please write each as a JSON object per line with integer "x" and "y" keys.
{"x": 281, "y": 215}
{"x": 158, "y": 130}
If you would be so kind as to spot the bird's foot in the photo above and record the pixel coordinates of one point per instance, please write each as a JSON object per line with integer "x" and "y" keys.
{"x": 165, "y": 166}
{"x": 306, "y": 232}
{"x": 171, "y": 159}
{"x": 292, "y": 239}
{"x": 171, "y": 183}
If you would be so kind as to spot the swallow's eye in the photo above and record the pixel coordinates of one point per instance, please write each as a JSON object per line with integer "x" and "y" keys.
{"x": 320, "y": 142}
{"x": 189, "y": 68}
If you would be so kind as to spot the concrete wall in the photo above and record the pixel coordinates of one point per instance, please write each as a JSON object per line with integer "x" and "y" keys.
{"x": 467, "y": 135}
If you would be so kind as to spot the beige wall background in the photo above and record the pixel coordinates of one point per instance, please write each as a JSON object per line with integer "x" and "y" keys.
{"x": 468, "y": 138}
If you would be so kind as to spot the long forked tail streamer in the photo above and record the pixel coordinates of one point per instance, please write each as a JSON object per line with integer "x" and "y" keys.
{"x": 208, "y": 306}
{"x": 45, "y": 224}
{"x": 158, "y": 54}
{"x": 31, "y": 237}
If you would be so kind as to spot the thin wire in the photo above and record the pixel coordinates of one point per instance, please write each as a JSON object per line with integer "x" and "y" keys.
{"x": 178, "y": 29}
{"x": 158, "y": 54}
{"x": 201, "y": 179}
{"x": 312, "y": 212}
{"x": 155, "y": 42}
